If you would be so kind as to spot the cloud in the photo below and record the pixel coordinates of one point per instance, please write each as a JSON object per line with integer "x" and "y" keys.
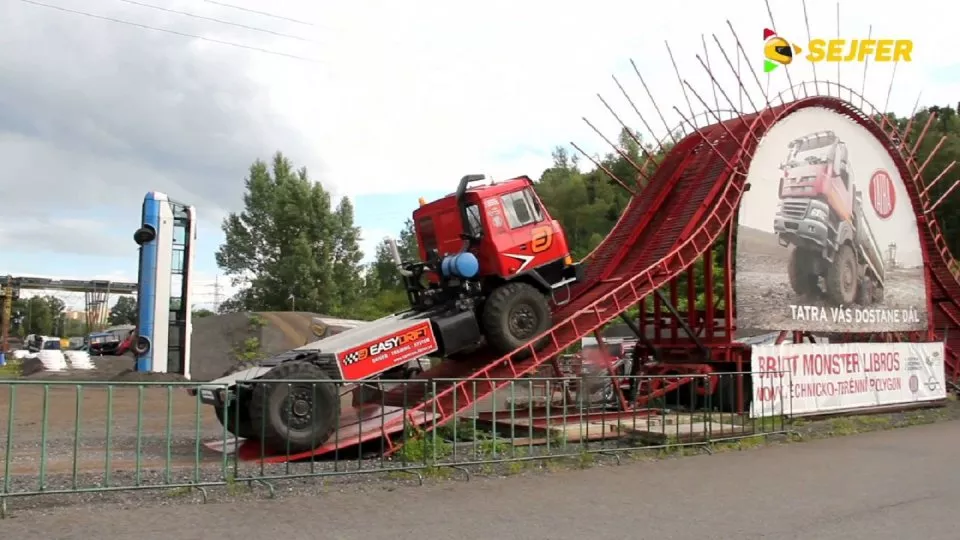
{"x": 93, "y": 113}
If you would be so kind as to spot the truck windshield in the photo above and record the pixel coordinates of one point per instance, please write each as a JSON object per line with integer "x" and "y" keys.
{"x": 811, "y": 150}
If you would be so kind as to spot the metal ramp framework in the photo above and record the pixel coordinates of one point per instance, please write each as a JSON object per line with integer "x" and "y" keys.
{"x": 689, "y": 204}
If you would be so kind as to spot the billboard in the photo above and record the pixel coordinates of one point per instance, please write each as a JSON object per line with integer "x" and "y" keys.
{"x": 811, "y": 378}
{"x": 827, "y": 240}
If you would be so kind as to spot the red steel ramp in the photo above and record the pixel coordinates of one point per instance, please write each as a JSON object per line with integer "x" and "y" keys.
{"x": 692, "y": 197}
{"x": 658, "y": 238}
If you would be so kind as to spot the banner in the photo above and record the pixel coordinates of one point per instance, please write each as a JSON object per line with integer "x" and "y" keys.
{"x": 827, "y": 239}
{"x": 811, "y": 378}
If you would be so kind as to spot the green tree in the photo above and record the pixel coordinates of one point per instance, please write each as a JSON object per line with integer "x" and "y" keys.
{"x": 124, "y": 311}
{"x": 946, "y": 126}
{"x": 347, "y": 278}
{"x": 40, "y": 315}
{"x": 289, "y": 242}
{"x": 201, "y": 313}
{"x": 383, "y": 290}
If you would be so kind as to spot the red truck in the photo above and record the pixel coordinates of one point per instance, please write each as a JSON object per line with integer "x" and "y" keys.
{"x": 821, "y": 214}
{"x": 492, "y": 263}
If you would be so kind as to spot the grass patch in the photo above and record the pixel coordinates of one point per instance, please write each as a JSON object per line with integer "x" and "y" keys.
{"x": 179, "y": 492}
{"x": 13, "y": 369}
{"x": 235, "y": 487}
{"x": 463, "y": 442}
{"x": 248, "y": 351}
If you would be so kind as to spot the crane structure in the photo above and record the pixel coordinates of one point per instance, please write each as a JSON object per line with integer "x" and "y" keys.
{"x": 97, "y": 295}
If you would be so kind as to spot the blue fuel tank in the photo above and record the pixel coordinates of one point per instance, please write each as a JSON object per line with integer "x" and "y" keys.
{"x": 462, "y": 265}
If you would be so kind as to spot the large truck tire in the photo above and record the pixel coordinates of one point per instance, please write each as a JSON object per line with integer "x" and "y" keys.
{"x": 842, "y": 277}
{"x": 878, "y": 294}
{"x": 800, "y": 268}
{"x": 238, "y": 427}
{"x": 870, "y": 292}
{"x": 242, "y": 428}
{"x": 513, "y": 314}
{"x": 295, "y": 416}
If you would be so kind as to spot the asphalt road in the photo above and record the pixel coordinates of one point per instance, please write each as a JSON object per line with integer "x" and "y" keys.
{"x": 886, "y": 485}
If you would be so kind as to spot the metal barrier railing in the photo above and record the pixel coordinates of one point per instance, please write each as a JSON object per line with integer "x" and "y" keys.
{"x": 67, "y": 437}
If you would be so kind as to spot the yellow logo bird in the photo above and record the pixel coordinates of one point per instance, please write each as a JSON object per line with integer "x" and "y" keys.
{"x": 778, "y": 51}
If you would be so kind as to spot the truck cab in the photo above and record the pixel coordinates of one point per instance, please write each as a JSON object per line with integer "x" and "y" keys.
{"x": 816, "y": 191}
{"x": 492, "y": 259}
{"x": 510, "y": 232}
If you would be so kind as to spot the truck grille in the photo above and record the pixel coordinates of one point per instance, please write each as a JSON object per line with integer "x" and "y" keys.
{"x": 794, "y": 209}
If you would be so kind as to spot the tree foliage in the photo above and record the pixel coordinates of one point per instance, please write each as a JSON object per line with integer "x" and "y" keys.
{"x": 201, "y": 313}
{"x": 39, "y": 315}
{"x": 124, "y": 311}
{"x": 288, "y": 239}
{"x": 289, "y": 248}
{"x": 383, "y": 290}
{"x": 946, "y": 126}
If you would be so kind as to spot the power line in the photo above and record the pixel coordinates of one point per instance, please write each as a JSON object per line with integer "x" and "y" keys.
{"x": 264, "y": 13}
{"x": 216, "y": 20}
{"x": 167, "y": 31}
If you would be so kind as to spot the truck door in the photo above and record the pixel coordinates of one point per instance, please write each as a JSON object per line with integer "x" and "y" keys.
{"x": 523, "y": 215}
{"x": 841, "y": 186}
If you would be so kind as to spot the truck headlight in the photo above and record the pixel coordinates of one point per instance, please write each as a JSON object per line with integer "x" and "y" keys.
{"x": 817, "y": 213}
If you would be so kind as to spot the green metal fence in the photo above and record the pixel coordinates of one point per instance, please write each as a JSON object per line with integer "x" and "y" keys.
{"x": 70, "y": 437}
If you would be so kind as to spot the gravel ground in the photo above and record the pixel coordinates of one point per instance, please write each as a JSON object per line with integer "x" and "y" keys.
{"x": 764, "y": 294}
{"x": 349, "y": 471}
{"x": 850, "y": 488}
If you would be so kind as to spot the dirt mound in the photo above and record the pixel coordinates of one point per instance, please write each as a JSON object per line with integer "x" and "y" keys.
{"x": 136, "y": 376}
{"x": 220, "y": 341}
{"x": 106, "y": 368}
{"x": 214, "y": 342}
{"x": 31, "y": 367}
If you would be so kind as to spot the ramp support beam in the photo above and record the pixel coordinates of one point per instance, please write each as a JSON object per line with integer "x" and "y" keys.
{"x": 683, "y": 324}
{"x": 635, "y": 366}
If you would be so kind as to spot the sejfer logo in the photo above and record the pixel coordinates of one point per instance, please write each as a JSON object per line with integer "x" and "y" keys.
{"x": 778, "y": 51}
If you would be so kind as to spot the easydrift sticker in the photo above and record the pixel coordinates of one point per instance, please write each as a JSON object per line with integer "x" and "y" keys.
{"x": 389, "y": 351}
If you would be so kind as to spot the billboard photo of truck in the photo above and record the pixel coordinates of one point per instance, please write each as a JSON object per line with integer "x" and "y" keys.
{"x": 827, "y": 240}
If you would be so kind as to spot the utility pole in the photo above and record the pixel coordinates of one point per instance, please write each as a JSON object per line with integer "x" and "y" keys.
{"x": 216, "y": 293}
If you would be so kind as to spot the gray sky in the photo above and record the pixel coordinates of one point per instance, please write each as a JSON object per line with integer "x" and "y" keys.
{"x": 391, "y": 100}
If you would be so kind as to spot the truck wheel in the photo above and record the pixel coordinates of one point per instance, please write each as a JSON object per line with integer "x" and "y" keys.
{"x": 878, "y": 294}
{"x": 295, "y": 416}
{"x": 842, "y": 277}
{"x": 800, "y": 272}
{"x": 513, "y": 314}
{"x": 242, "y": 429}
